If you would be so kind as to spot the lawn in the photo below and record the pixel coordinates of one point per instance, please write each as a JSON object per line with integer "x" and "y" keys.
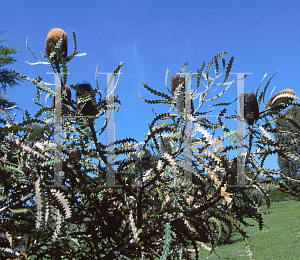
{"x": 280, "y": 240}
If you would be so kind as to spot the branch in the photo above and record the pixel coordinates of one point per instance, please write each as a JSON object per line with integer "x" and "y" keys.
{"x": 288, "y": 132}
{"x": 29, "y": 196}
{"x": 281, "y": 174}
{"x": 99, "y": 145}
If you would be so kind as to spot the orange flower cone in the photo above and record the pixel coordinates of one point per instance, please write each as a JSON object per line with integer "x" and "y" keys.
{"x": 53, "y": 37}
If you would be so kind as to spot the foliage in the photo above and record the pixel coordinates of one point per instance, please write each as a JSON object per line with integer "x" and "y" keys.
{"x": 276, "y": 195}
{"x": 289, "y": 122}
{"x": 8, "y": 77}
{"x": 152, "y": 214}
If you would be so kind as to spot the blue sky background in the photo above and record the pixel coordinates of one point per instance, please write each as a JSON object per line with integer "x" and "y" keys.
{"x": 150, "y": 37}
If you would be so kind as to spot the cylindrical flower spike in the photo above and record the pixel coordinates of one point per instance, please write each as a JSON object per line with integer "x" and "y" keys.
{"x": 177, "y": 80}
{"x": 53, "y": 37}
{"x": 67, "y": 88}
{"x": 251, "y": 109}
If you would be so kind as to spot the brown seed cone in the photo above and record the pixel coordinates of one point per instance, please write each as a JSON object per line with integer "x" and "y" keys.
{"x": 67, "y": 88}
{"x": 89, "y": 109}
{"x": 272, "y": 101}
{"x": 251, "y": 109}
{"x": 53, "y": 37}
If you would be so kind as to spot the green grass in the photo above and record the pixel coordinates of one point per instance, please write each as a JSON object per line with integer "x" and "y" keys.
{"x": 279, "y": 240}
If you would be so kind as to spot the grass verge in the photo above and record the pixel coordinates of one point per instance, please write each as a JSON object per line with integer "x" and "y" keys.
{"x": 280, "y": 240}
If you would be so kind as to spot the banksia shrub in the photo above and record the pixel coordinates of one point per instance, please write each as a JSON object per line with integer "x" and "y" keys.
{"x": 53, "y": 37}
{"x": 251, "y": 110}
{"x": 285, "y": 95}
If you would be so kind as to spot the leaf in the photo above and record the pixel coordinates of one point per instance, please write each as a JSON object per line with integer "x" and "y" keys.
{"x": 38, "y": 203}
{"x": 166, "y": 242}
{"x": 58, "y": 223}
{"x": 266, "y": 133}
{"x": 63, "y": 201}
{"x": 133, "y": 227}
{"x": 226, "y": 195}
{"x": 18, "y": 211}
{"x": 155, "y": 92}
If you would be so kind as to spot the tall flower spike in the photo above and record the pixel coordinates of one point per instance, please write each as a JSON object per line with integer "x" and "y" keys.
{"x": 53, "y": 37}
{"x": 285, "y": 95}
{"x": 251, "y": 110}
{"x": 177, "y": 80}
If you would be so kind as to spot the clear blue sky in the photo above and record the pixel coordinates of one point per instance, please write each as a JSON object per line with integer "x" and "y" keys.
{"x": 150, "y": 37}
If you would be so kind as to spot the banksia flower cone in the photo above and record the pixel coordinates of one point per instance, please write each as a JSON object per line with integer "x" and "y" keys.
{"x": 67, "y": 88}
{"x": 53, "y": 37}
{"x": 282, "y": 96}
{"x": 177, "y": 80}
{"x": 251, "y": 110}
